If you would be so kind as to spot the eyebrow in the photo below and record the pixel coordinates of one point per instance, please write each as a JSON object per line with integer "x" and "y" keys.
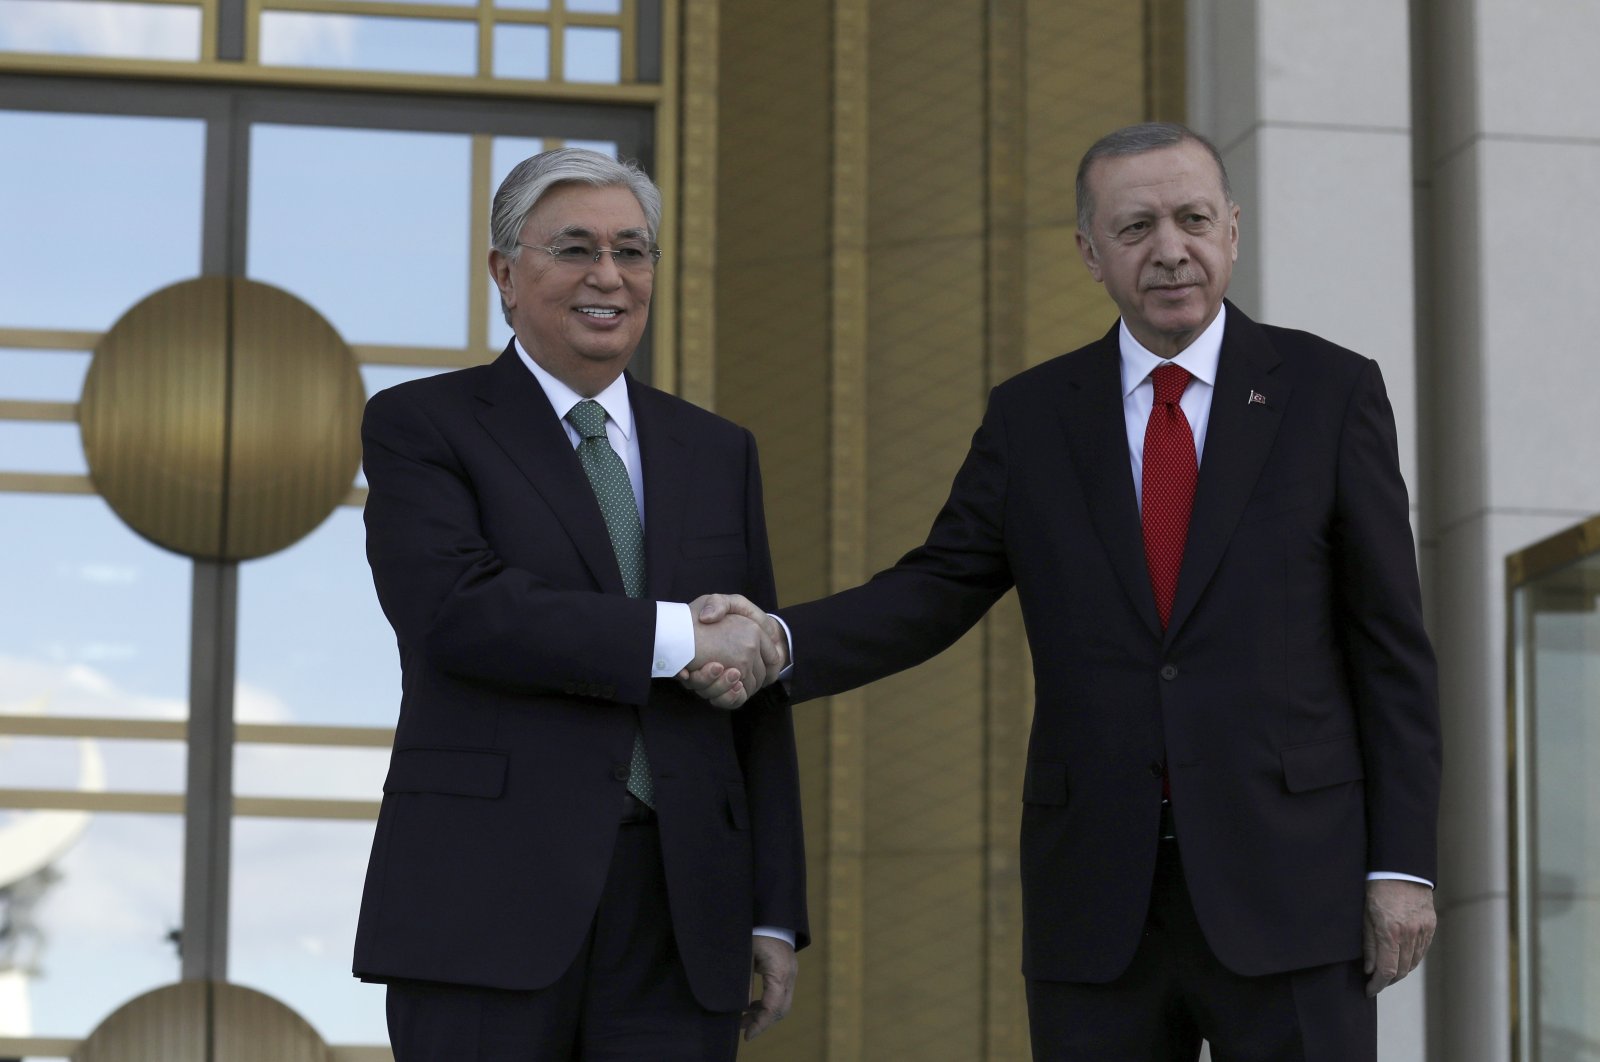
{"x": 581, "y": 233}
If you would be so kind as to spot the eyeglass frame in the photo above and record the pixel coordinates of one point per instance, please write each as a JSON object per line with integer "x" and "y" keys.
{"x": 551, "y": 249}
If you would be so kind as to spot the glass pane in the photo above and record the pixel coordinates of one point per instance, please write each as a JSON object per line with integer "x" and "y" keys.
{"x": 295, "y": 942}
{"x": 147, "y": 220}
{"x": 41, "y": 446}
{"x": 525, "y": 5}
{"x": 314, "y": 646}
{"x": 368, "y": 226}
{"x": 90, "y": 27}
{"x": 313, "y": 772}
{"x": 43, "y": 375}
{"x": 363, "y": 42}
{"x": 96, "y": 619}
{"x": 91, "y": 765}
{"x": 605, "y": 147}
{"x": 595, "y": 7}
{"x": 593, "y": 54}
{"x": 522, "y": 52}
{"x": 1566, "y": 798}
{"x": 101, "y": 912}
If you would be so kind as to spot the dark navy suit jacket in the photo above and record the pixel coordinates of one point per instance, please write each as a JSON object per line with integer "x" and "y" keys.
{"x": 525, "y": 669}
{"x": 1293, "y": 694}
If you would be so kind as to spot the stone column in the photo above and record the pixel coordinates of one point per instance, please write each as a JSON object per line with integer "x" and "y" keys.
{"x": 1509, "y": 172}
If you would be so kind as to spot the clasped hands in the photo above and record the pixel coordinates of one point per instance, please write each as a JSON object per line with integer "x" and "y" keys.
{"x": 738, "y": 649}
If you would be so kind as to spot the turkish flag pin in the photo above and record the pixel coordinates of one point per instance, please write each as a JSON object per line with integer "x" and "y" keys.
{"x": 1257, "y": 399}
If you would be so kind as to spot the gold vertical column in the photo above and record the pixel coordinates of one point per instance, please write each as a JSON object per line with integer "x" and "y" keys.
{"x": 664, "y": 304}
{"x": 848, "y": 533}
{"x": 1008, "y": 692}
{"x": 697, "y": 194}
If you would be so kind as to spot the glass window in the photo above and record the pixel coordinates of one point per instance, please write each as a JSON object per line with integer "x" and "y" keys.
{"x": 595, "y": 7}
{"x": 368, "y": 226}
{"x": 522, "y": 52}
{"x": 314, "y": 647}
{"x": 365, "y": 42}
{"x": 314, "y": 772}
{"x": 41, "y": 446}
{"x": 92, "y": 27}
{"x": 294, "y": 942}
{"x": 102, "y": 911}
{"x": 525, "y": 5}
{"x": 96, "y": 620}
{"x": 593, "y": 54}
{"x": 143, "y": 228}
{"x": 1557, "y": 627}
{"x": 43, "y": 375}
{"x": 91, "y": 765}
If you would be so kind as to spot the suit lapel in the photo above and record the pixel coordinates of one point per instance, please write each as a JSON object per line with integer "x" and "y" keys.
{"x": 1239, "y": 437}
{"x": 664, "y": 453}
{"x": 519, "y": 418}
{"x": 1097, "y": 438}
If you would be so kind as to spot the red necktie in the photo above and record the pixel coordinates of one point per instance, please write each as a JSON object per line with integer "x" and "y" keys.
{"x": 1170, "y": 471}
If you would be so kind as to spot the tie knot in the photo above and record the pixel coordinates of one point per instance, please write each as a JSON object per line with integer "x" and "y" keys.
{"x": 589, "y": 417}
{"x": 1169, "y": 380}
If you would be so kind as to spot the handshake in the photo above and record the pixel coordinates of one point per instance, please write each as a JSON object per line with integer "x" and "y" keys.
{"x": 738, "y": 649}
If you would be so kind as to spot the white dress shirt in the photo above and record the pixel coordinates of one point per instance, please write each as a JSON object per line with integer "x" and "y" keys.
{"x": 674, "y": 640}
{"x": 1138, "y": 396}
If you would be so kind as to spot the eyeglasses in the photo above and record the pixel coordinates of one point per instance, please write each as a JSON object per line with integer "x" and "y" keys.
{"x": 628, "y": 258}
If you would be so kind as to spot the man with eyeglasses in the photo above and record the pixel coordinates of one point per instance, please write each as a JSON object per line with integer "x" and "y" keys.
{"x": 575, "y": 857}
{"x": 1230, "y": 807}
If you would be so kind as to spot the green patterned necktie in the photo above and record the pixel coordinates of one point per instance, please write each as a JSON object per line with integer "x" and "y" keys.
{"x": 614, "y": 491}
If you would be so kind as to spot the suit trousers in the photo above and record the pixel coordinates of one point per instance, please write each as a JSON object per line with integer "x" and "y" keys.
{"x": 1176, "y": 994}
{"x": 626, "y": 997}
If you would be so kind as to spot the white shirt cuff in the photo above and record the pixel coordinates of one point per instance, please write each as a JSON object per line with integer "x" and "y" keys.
{"x": 1389, "y": 875}
{"x": 674, "y": 639}
{"x": 788, "y": 636}
{"x": 785, "y": 935}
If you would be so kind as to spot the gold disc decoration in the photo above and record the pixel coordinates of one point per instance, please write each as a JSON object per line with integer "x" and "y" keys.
{"x": 221, "y": 418}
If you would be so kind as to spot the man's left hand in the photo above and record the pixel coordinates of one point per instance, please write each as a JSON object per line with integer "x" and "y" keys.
{"x": 776, "y": 965}
{"x": 1398, "y": 929}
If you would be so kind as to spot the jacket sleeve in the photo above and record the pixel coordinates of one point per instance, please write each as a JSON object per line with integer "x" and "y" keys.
{"x": 932, "y": 596}
{"x": 1390, "y": 660}
{"x": 452, "y": 598}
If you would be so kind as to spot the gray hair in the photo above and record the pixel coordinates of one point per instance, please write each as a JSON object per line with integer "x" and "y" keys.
{"x": 1136, "y": 140}
{"x": 531, "y": 178}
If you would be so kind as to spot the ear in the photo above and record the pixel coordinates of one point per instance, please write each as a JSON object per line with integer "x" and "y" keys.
{"x": 500, "y": 273}
{"x": 1090, "y": 257}
{"x": 1233, "y": 232}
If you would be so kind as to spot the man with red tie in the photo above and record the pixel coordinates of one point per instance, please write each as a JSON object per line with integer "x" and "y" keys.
{"x": 1231, "y": 797}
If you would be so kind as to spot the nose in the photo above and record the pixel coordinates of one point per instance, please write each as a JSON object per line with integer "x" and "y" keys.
{"x": 604, "y": 274}
{"x": 1170, "y": 249}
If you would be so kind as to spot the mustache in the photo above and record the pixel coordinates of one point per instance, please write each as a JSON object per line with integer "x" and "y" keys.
{"x": 1172, "y": 280}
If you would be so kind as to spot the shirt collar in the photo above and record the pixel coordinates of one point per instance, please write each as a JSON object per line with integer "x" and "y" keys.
{"x": 1199, "y": 358}
{"x": 562, "y": 398}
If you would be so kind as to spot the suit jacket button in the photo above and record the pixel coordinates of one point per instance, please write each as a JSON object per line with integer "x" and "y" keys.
{"x": 1169, "y": 672}
{"x": 1156, "y": 770}
{"x": 608, "y": 692}
{"x": 570, "y": 688}
{"x": 620, "y": 773}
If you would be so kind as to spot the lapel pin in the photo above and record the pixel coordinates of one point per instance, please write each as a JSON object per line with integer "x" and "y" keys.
{"x": 1257, "y": 399}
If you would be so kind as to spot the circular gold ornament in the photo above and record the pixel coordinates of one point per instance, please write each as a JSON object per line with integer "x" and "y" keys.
{"x": 221, "y": 418}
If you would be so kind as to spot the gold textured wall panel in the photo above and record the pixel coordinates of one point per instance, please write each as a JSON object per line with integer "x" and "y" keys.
{"x": 895, "y": 223}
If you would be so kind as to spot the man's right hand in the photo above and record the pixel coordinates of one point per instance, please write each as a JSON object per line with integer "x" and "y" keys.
{"x": 726, "y": 680}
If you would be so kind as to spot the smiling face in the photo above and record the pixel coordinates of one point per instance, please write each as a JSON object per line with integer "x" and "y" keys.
{"x": 1163, "y": 242}
{"x": 581, "y": 322}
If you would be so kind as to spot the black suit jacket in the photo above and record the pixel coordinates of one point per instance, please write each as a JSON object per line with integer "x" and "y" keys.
{"x": 1292, "y": 695}
{"x": 525, "y": 669}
